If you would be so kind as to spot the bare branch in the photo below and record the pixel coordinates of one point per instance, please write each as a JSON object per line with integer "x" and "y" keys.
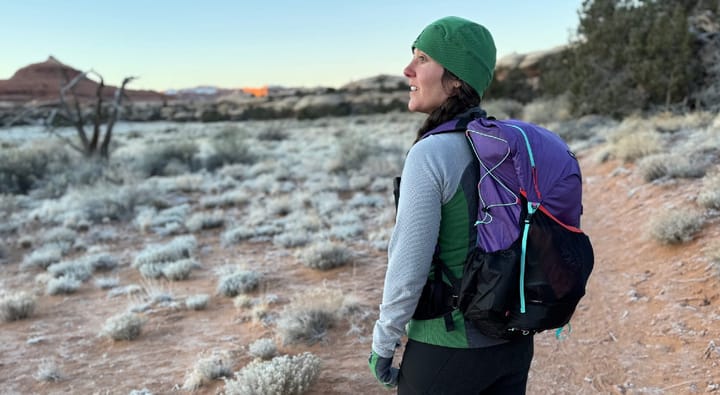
{"x": 50, "y": 120}
{"x": 117, "y": 101}
{"x": 98, "y": 115}
{"x": 21, "y": 115}
{"x": 77, "y": 119}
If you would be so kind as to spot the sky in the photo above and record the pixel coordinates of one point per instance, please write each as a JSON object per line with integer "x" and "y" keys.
{"x": 246, "y": 43}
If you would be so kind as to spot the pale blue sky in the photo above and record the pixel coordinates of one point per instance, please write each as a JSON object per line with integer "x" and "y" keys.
{"x": 180, "y": 44}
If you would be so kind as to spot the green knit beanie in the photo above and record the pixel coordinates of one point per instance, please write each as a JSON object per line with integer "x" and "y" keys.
{"x": 464, "y": 47}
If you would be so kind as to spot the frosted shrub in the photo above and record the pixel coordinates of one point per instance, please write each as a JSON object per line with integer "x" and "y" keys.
{"x": 309, "y": 315}
{"x": 236, "y": 235}
{"x": 238, "y": 282}
{"x": 346, "y": 232}
{"x": 327, "y": 203}
{"x": 59, "y": 235}
{"x": 286, "y": 375}
{"x": 130, "y": 289}
{"x": 676, "y": 226}
{"x": 107, "y": 282}
{"x": 63, "y": 285}
{"x": 199, "y": 221}
{"x": 207, "y": 369}
{"x": 197, "y": 302}
{"x": 179, "y": 248}
{"x": 42, "y": 257}
{"x": 170, "y": 220}
{"x": 178, "y": 270}
{"x": 710, "y": 193}
{"x": 16, "y": 306}
{"x": 152, "y": 270}
{"x": 76, "y": 269}
{"x": 325, "y": 255}
{"x": 363, "y": 200}
{"x": 670, "y": 165}
{"x": 21, "y": 169}
{"x": 160, "y": 158}
{"x": 272, "y": 134}
{"x": 230, "y": 146}
{"x": 230, "y": 198}
{"x": 243, "y": 302}
{"x": 48, "y": 370}
{"x": 352, "y": 151}
{"x": 292, "y": 238}
{"x": 101, "y": 261}
{"x": 123, "y": 326}
{"x": 95, "y": 204}
{"x": 263, "y": 348}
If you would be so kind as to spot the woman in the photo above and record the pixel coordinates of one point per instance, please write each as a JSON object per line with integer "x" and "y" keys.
{"x": 452, "y": 65}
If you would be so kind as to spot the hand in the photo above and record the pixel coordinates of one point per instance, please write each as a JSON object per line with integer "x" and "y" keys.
{"x": 383, "y": 371}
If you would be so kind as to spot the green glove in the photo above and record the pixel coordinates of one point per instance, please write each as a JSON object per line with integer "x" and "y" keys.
{"x": 383, "y": 371}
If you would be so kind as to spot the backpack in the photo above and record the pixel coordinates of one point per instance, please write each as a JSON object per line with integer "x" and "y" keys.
{"x": 531, "y": 262}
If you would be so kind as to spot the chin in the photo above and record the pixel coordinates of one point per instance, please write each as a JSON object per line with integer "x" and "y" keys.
{"x": 413, "y": 108}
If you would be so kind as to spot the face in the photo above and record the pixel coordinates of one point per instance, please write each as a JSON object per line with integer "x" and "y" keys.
{"x": 427, "y": 91}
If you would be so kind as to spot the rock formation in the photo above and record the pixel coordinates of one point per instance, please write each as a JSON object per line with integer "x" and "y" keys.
{"x": 41, "y": 83}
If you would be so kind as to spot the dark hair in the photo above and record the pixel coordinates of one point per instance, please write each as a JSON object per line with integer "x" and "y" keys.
{"x": 465, "y": 97}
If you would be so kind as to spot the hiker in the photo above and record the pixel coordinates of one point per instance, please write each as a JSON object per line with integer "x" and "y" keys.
{"x": 452, "y": 64}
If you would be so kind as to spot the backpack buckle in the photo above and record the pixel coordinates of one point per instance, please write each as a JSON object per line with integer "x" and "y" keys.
{"x": 454, "y": 301}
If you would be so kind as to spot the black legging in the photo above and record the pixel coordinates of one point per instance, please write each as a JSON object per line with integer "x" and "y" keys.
{"x": 497, "y": 370}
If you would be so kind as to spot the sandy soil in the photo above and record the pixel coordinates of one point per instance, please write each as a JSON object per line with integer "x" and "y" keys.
{"x": 650, "y": 323}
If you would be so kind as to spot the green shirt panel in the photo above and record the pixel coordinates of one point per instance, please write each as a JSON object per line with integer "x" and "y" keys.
{"x": 453, "y": 240}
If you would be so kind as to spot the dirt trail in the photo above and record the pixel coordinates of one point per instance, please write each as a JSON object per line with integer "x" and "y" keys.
{"x": 650, "y": 323}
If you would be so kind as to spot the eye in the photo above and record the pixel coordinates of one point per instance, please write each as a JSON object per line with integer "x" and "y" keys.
{"x": 422, "y": 58}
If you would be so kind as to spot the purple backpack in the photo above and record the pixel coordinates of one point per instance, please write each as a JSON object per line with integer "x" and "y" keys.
{"x": 531, "y": 261}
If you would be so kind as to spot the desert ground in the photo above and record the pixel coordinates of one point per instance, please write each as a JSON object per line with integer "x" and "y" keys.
{"x": 649, "y": 324}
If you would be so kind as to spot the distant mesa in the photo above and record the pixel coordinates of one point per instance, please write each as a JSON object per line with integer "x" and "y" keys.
{"x": 41, "y": 82}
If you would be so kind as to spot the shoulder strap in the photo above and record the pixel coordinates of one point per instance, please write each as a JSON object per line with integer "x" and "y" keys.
{"x": 457, "y": 124}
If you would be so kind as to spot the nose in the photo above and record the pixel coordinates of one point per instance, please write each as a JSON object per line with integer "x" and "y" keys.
{"x": 408, "y": 71}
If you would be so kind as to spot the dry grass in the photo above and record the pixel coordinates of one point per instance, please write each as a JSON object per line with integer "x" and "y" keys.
{"x": 710, "y": 194}
{"x": 217, "y": 365}
{"x": 547, "y": 111}
{"x": 16, "y": 306}
{"x": 676, "y": 226}
{"x": 309, "y": 315}
{"x": 635, "y": 145}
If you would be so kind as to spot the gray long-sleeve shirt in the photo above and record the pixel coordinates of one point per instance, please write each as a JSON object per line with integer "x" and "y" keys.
{"x": 430, "y": 178}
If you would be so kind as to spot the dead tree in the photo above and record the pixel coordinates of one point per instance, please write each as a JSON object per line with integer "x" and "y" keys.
{"x": 97, "y": 145}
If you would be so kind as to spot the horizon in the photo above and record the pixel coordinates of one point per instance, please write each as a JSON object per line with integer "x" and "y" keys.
{"x": 319, "y": 43}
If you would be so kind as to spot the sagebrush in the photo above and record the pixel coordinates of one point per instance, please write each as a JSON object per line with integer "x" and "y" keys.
{"x": 286, "y": 375}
